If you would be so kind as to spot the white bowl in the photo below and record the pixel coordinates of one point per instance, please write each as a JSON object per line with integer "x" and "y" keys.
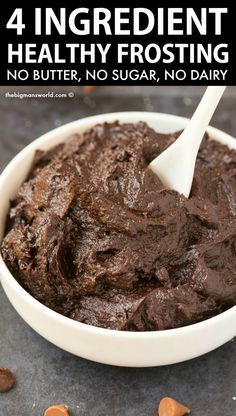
{"x": 140, "y": 349}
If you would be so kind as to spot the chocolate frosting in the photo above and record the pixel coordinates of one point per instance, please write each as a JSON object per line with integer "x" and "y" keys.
{"x": 94, "y": 235}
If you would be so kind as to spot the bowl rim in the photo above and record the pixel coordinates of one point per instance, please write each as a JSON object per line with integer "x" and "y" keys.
{"x": 76, "y": 325}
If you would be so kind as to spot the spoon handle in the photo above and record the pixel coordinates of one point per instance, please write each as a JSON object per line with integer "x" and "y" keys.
{"x": 175, "y": 166}
{"x": 199, "y": 122}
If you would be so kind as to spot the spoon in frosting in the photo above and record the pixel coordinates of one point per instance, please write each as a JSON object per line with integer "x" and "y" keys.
{"x": 175, "y": 166}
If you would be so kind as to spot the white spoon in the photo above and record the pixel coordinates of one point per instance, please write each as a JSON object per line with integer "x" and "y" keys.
{"x": 175, "y": 166}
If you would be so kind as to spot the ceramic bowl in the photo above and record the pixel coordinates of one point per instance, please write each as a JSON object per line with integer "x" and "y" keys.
{"x": 140, "y": 349}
